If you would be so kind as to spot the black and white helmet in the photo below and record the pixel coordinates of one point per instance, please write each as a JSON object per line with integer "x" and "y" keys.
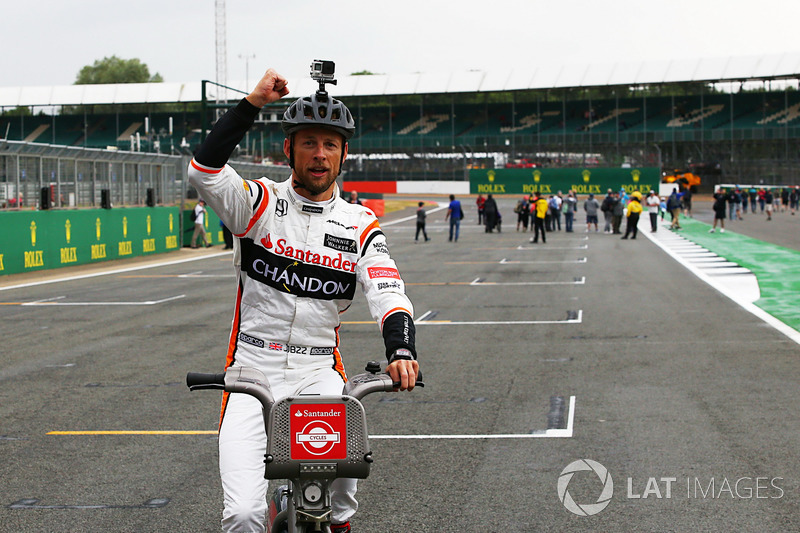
{"x": 318, "y": 110}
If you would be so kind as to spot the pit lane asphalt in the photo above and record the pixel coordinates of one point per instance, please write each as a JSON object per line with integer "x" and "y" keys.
{"x": 671, "y": 380}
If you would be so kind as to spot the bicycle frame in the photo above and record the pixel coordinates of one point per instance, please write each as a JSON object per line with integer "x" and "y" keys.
{"x": 311, "y": 440}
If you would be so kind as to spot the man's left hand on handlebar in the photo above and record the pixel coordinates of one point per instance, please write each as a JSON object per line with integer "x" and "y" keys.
{"x": 405, "y": 372}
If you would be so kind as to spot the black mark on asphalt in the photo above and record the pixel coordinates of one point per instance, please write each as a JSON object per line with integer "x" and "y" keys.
{"x": 555, "y": 418}
{"x": 33, "y": 503}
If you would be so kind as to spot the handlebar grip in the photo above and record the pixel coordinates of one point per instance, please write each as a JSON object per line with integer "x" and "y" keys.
{"x": 201, "y": 381}
{"x": 418, "y": 383}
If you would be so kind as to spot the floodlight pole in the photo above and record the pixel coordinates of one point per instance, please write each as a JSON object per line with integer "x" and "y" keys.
{"x": 203, "y": 110}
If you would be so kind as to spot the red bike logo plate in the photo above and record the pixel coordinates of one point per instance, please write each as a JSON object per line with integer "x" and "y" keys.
{"x": 318, "y": 431}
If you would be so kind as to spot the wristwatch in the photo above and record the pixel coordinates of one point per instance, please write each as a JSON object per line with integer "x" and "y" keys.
{"x": 402, "y": 353}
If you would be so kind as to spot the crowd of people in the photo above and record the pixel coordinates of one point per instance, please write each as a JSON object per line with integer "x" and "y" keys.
{"x": 735, "y": 201}
{"x": 544, "y": 213}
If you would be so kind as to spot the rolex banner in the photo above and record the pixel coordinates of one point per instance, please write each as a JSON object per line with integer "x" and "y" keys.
{"x": 39, "y": 240}
{"x": 548, "y": 181}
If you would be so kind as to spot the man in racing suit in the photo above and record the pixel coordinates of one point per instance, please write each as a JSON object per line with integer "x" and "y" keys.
{"x": 300, "y": 251}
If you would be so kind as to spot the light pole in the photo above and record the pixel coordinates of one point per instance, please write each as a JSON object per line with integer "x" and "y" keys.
{"x": 247, "y": 58}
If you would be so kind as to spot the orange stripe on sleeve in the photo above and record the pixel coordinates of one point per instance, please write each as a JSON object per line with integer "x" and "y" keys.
{"x": 372, "y": 226}
{"x": 205, "y": 169}
{"x": 393, "y": 311}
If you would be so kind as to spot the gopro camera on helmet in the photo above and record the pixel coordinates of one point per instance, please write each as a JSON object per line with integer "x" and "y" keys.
{"x": 322, "y": 72}
{"x": 318, "y": 109}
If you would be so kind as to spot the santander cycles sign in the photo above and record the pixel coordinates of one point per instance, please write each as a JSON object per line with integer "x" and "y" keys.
{"x": 318, "y": 431}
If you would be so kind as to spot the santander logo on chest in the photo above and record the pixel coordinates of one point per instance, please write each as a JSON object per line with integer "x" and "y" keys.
{"x": 318, "y": 431}
{"x": 311, "y": 257}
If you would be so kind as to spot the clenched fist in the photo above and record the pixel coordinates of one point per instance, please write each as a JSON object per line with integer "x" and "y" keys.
{"x": 271, "y": 88}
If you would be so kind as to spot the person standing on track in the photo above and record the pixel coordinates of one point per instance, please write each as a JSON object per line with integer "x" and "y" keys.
{"x": 538, "y": 213}
{"x": 490, "y": 214}
{"x": 421, "y": 222}
{"x": 523, "y": 211}
{"x": 617, "y": 212}
{"x": 454, "y": 213}
{"x": 634, "y": 212}
{"x": 768, "y": 199}
{"x": 674, "y": 208}
{"x": 570, "y": 206}
{"x": 480, "y": 202}
{"x": 199, "y": 214}
{"x": 607, "y": 207}
{"x": 300, "y": 252}
{"x": 719, "y": 211}
{"x": 653, "y": 206}
{"x": 591, "y": 205}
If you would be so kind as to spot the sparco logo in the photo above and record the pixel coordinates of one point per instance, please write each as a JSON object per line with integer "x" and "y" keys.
{"x": 586, "y": 509}
{"x": 251, "y": 340}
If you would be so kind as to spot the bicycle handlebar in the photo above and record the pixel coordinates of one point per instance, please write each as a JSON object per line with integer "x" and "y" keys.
{"x": 251, "y": 381}
{"x": 201, "y": 381}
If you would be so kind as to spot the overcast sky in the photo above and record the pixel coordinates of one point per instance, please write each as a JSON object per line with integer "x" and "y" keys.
{"x": 48, "y": 41}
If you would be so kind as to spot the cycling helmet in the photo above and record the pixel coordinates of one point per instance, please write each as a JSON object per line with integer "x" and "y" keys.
{"x": 318, "y": 110}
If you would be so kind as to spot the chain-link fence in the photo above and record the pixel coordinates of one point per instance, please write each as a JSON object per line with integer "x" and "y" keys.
{"x": 66, "y": 177}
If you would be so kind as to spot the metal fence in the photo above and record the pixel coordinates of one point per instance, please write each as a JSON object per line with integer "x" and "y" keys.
{"x": 78, "y": 177}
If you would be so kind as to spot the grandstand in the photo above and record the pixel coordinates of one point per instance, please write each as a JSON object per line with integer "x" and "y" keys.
{"x": 732, "y": 119}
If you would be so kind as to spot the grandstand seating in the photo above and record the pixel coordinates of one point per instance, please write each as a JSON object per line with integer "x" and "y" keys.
{"x": 470, "y": 126}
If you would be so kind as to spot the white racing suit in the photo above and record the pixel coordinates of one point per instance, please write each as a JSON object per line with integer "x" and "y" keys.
{"x": 297, "y": 264}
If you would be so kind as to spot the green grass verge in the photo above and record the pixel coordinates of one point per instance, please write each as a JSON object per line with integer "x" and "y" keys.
{"x": 776, "y": 268}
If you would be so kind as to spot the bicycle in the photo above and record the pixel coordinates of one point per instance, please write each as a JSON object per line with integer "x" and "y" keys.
{"x": 311, "y": 441}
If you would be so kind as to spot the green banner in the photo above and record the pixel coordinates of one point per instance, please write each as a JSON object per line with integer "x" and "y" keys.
{"x": 552, "y": 180}
{"x": 40, "y": 240}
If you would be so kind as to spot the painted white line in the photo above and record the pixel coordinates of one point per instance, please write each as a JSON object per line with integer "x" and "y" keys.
{"x": 505, "y": 261}
{"x": 116, "y": 271}
{"x": 706, "y": 259}
{"x": 543, "y": 248}
{"x": 477, "y": 282}
{"x": 693, "y": 255}
{"x": 577, "y": 320}
{"x": 50, "y": 303}
{"x": 540, "y": 434}
{"x": 719, "y": 272}
{"x": 744, "y": 292}
{"x": 412, "y": 217}
{"x": 198, "y": 276}
{"x": 423, "y": 317}
{"x": 718, "y": 264}
{"x": 49, "y": 299}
